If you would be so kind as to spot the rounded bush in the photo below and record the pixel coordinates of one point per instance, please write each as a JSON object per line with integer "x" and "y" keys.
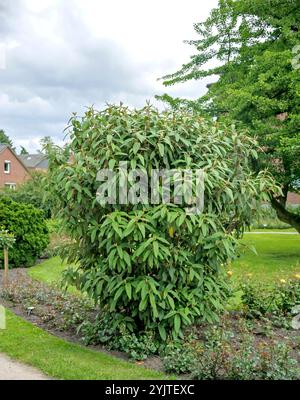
{"x": 29, "y": 228}
{"x": 154, "y": 266}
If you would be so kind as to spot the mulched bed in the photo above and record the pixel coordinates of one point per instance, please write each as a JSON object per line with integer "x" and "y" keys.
{"x": 52, "y": 309}
{"x": 60, "y": 314}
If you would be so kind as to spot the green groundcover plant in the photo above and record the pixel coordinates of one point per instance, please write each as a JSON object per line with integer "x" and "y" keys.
{"x": 220, "y": 358}
{"x": 153, "y": 266}
{"x": 30, "y": 232}
{"x": 278, "y": 299}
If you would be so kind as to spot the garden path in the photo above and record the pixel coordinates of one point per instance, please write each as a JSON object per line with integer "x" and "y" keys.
{"x": 13, "y": 370}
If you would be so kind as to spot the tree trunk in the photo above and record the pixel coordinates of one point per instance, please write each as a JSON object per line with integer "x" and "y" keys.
{"x": 5, "y": 275}
{"x": 283, "y": 214}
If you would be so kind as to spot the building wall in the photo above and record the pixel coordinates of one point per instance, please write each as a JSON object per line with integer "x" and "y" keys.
{"x": 18, "y": 173}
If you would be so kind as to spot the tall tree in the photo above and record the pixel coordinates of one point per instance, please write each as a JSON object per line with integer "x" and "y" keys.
{"x": 253, "y": 46}
{"x": 23, "y": 150}
{"x": 5, "y": 139}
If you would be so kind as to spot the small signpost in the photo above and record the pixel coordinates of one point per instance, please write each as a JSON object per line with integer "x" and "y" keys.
{"x": 7, "y": 240}
{"x": 2, "y": 317}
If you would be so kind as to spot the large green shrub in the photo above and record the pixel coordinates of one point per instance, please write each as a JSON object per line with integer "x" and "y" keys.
{"x": 29, "y": 229}
{"x": 154, "y": 266}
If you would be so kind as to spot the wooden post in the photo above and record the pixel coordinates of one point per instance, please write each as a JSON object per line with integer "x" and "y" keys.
{"x": 5, "y": 276}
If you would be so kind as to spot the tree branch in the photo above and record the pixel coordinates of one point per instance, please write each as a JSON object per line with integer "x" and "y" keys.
{"x": 284, "y": 215}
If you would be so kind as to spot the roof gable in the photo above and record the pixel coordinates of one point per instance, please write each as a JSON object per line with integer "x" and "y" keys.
{"x": 4, "y": 146}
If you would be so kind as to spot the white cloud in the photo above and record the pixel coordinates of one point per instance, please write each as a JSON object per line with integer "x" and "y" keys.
{"x": 65, "y": 55}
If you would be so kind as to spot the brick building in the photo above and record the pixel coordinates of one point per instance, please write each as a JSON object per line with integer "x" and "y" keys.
{"x": 13, "y": 172}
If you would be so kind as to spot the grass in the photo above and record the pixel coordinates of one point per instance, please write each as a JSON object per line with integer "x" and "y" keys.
{"x": 50, "y": 272}
{"x": 273, "y": 230}
{"x": 278, "y": 257}
{"x": 64, "y": 360}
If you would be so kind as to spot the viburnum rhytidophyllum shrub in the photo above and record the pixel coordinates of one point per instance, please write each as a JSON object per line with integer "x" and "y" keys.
{"x": 154, "y": 267}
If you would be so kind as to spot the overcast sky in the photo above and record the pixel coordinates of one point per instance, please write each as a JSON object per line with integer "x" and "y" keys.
{"x": 63, "y": 55}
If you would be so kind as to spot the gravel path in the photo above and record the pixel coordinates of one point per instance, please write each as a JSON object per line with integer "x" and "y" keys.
{"x": 13, "y": 370}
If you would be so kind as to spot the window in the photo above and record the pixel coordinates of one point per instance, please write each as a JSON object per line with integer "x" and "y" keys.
{"x": 7, "y": 167}
{"x": 10, "y": 185}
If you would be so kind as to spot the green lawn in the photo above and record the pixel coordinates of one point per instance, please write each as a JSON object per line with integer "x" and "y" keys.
{"x": 64, "y": 360}
{"x": 272, "y": 230}
{"x": 48, "y": 271}
{"x": 278, "y": 257}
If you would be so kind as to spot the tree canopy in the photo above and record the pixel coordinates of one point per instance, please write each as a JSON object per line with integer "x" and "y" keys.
{"x": 252, "y": 46}
{"x": 5, "y": 139}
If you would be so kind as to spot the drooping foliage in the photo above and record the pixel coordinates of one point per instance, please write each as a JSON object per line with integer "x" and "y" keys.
{"x": 154, "y": 267}
{"x": 254, "y": 48}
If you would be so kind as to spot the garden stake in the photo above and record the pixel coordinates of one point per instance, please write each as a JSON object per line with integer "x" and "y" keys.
{"x": 5, "y": 276}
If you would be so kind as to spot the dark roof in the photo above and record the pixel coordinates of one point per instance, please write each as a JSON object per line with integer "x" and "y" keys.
{"x": 34, "y": 160}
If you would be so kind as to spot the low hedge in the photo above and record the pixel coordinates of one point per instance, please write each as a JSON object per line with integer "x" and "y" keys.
{"x": 29, "y": 228}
